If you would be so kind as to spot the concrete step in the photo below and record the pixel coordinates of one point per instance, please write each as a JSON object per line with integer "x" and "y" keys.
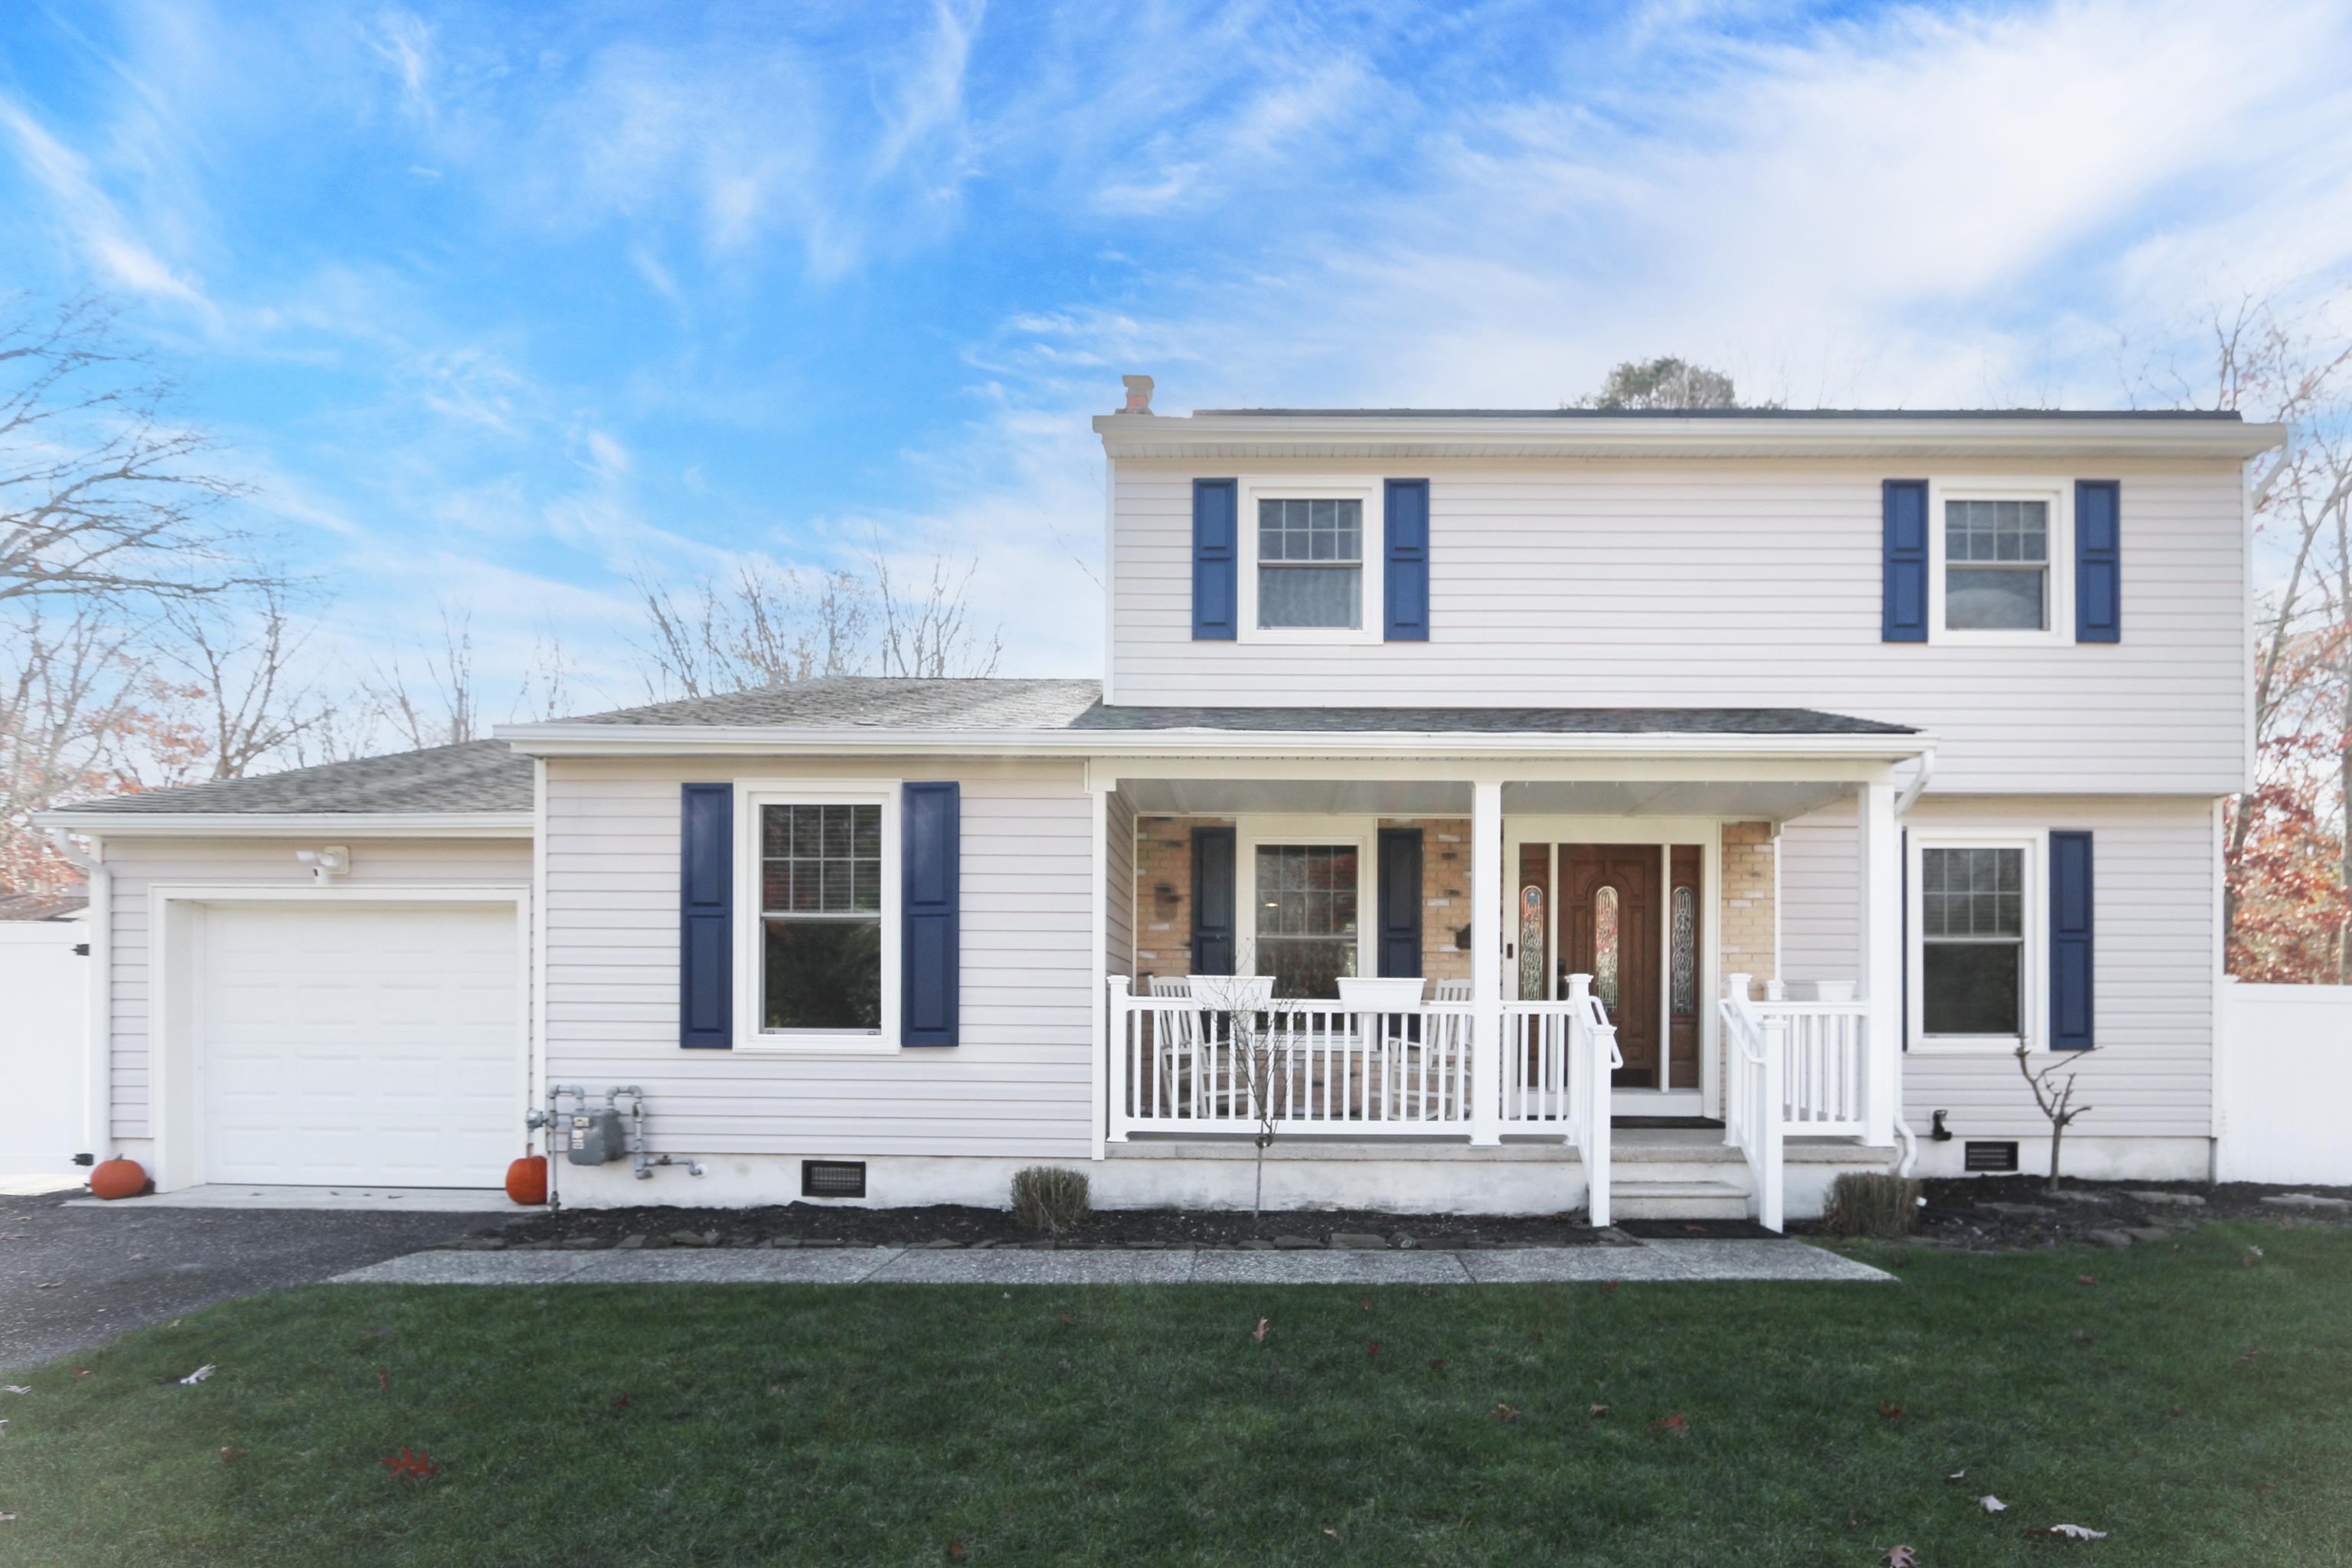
{"x": 1677, "y": 1200}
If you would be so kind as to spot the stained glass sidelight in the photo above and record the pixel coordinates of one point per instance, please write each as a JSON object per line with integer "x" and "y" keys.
{"x": 1604, "y": 947}
{"x": 1683, "y": 988}
{"x": 1532, "y": 943}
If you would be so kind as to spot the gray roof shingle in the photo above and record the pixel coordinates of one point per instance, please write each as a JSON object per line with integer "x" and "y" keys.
{"x": 475, "y": 775}
{"x": 489, "y": 776}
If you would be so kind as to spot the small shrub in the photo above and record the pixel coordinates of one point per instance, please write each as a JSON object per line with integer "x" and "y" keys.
{"x": 1046, "y": 1197}
{"x": 1868, "y": 1204}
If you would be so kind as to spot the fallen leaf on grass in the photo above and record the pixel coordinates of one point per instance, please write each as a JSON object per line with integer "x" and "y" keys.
{"x": 81, "y": 1371}
{"x": 1956, "y": 1477}
{"x": 1672, "y": 1426}
{"x": 620, "y": 1401}
{"x": 1368, "y": 1303}
{"x": 1597, "y": 1410}
{"x": 198, "y": 1376}
{"x": 1902, "y": 1557}
{"x": 1505, "y": 1413}
{"x": 8, "y": 1518}
{"x": 1992, "y": 1504}
{"x": 383, "y": 1379}
{"x": 2250, "y": 1355}
{"x": 1258, "y": 1333}
{"x": 1371, "y": 1349}
{"x": 1438, "y": 1365}
{"x": 2266, "y": 1487}
{"x": 2254, "y": 1256}
{"x": 1608, "y": 1287}
{"x": 1068, "y": 1322}
{"x": 412, "y": 1465}
{"x": 955, "y": 1548}
{"x": 1332, "y": 1533}
{"x": 13, "y": 1388}
{"x": 2176, "y": 1412}
{"x": 1890, "y": 1411}
{"x": 2069, "y": 1531}
{"x": 231, "y": 1456}
{"x": 2086, "y": 1280}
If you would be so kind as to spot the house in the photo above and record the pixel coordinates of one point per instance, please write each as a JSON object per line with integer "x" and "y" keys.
{"x": 1740, "y": 787}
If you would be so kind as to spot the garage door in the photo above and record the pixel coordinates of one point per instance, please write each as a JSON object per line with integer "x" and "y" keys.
{"x": 342, "y": 1045}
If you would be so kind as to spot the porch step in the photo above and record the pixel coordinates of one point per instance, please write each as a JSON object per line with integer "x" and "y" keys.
{"x": 1677, "y": 1200}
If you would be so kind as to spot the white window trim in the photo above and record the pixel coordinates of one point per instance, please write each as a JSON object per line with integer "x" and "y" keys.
{"x": 1372, "y": 615}
{"x": 2059, "y": 495}
{"x": 1251, "y": 832}
{"x": 2033, "y": 1010}
{"x": 750, "y": 795}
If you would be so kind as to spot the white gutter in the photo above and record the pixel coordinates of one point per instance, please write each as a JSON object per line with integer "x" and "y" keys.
{"x": 290, "y": 823}
{"x": 98, "y": 1026}
{"x": 1410, "y": 434}
{"x": 567, "y": 740}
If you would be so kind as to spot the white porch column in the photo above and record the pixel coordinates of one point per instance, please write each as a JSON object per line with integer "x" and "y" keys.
{"x": 1486, "y": 961}
{"x": 1878, "y": 857}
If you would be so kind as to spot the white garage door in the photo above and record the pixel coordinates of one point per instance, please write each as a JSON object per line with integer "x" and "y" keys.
{"x": 359, "y": 1046}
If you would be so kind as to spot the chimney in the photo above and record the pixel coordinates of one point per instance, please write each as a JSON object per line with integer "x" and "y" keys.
{"x": 1139, "y": 393}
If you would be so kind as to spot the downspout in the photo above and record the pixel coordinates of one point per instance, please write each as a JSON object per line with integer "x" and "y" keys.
{"x": 1903, "y": 803}
{"x": 98, "y": 1029}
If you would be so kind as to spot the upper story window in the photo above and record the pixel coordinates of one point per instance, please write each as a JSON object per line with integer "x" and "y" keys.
{"x": 1310, "y": 564}
{"x": 1310, "y": 561}
{"x": 1997, "y": 566}
{"x": 2002, "y": 553}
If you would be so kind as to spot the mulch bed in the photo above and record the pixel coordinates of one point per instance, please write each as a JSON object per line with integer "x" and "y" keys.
{"x": 805, "y": 1224}
{"x": 1977, "y": 1214}
{"x": 2018, "y": 1214}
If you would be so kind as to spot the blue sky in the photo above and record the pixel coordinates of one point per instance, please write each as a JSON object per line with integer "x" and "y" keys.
{"x": 497, "y": 304}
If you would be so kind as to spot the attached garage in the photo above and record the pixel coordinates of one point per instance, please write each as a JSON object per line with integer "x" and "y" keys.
{"x": 342, "y": 1044}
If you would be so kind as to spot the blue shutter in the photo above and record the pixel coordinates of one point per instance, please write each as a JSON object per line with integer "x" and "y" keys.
{"x": 1405, "y": 576}
{"x": 930, "y": 929}
{"x": 1903, "y": 515}
{"x": 1213, "y": 901}
{"x": 2070, "y": 942}
{"x": 2098, "y": 561}
{"x": 1216, "y": 592}
{"x": 706, "y": 917}
{"x": 1398, "y": 898}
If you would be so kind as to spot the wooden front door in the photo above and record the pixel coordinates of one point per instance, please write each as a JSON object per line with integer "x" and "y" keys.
{"x": 1609, "y": 929}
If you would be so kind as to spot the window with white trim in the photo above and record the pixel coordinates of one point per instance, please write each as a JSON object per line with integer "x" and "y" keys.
{"x": 2002, "y": 555}
{"x": 817, "y": 910}
{"x": 1310, "y": 551}
{"x": 1975, "y": 922}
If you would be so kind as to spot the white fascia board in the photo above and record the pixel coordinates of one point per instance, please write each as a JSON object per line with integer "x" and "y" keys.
{"x": 292, "y": 824}
{"x": 559, "y": 740}
{"x": 1217, "y": 435}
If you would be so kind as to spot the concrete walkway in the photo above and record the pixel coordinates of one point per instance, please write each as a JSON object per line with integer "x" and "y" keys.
{"x": 1648, "y": 1261}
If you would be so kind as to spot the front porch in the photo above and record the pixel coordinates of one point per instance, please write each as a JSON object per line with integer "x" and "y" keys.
{"x": 1564, "y": 977}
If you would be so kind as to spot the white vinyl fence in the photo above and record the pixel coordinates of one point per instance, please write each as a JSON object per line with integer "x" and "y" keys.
{"x": 44, "y": 1001}
{"x": 2282, "y": 1080}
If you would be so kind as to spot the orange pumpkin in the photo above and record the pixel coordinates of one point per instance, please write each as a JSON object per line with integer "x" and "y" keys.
{"x": 119, "y": 1178}
{"x": 527, "y": 1179}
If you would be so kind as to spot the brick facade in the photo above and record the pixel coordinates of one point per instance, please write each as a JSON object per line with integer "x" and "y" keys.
{"x": 1747, "y": 938}
{"x": 1163, "y": 893}
{"x": 1163, "y": 896}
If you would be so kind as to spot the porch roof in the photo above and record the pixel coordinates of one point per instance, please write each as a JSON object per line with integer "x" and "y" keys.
{"x": 869, "y": 714}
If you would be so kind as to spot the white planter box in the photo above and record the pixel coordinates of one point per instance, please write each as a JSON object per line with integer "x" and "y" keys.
{"x": 1383, "y": 995}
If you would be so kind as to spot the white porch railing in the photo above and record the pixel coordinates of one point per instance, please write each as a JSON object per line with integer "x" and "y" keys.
{"x": 1179, "y": 1066}
{"x": 1793, "y": 1068}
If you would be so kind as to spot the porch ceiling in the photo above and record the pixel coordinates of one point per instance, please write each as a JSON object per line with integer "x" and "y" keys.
{"x": 1743, "y": 799}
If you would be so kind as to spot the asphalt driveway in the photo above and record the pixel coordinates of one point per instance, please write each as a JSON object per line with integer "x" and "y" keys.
{"x": 71, "y": 1276}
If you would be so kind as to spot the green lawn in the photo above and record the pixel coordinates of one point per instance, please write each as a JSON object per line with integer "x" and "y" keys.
{"x": 634, "y": 1425}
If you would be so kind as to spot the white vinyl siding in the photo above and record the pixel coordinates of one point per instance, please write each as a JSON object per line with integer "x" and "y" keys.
{"x": 2154, "y": 961}
{"x": 139, "y": 864}
{"x": 1696, "y": 584}
{"x": 1016, "y": 1086}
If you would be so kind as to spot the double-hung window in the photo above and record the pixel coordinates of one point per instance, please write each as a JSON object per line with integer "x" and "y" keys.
{"x": 1312, "y": 566}
{"x": 819, "y": 956}
{"x": 1306, "y": 927}
{"x": 2002, "y": 557}
{"x": 1974, "y": 966}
